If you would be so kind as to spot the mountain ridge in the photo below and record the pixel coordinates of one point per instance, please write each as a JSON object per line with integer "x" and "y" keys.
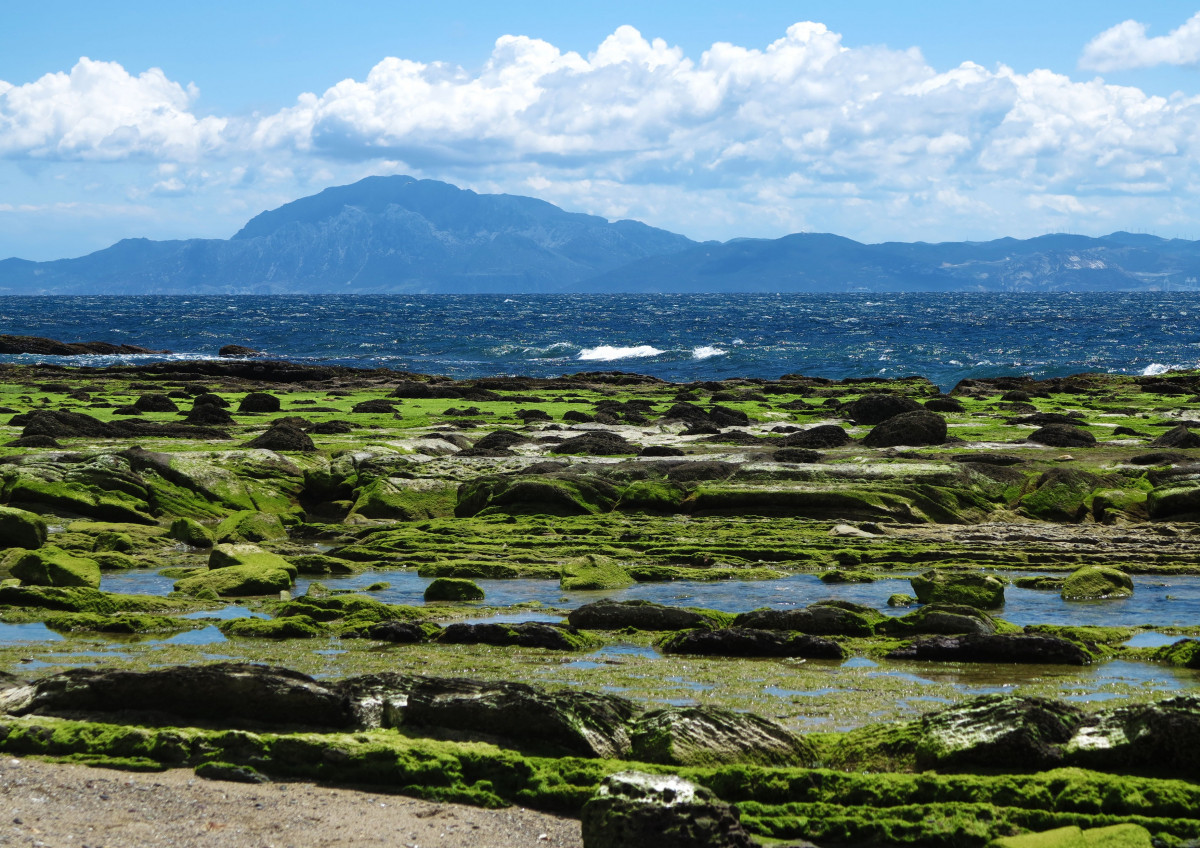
{"x": 398, "y": 234}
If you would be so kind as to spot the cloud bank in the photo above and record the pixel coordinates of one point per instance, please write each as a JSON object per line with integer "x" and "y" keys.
{"x": 805, "y": 133}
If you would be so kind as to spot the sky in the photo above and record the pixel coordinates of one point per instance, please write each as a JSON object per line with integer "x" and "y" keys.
{"x": 880, "y": 121}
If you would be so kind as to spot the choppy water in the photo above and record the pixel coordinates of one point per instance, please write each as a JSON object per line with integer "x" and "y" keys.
{"x": 946, "y": 337}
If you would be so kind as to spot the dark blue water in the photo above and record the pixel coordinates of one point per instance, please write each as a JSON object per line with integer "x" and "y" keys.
{"x": 945, "y": 337}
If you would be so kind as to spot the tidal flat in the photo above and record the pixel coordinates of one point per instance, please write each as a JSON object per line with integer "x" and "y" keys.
{"x": 853, "y": 562}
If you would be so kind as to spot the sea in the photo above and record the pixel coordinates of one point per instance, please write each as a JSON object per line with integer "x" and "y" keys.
{"x": 681, "y": 337}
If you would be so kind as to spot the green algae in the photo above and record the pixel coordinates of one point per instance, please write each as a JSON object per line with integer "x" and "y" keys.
{"x": 453, "y": 589}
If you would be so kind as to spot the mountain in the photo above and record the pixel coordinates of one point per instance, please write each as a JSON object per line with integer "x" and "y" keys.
{"x": 381, "y": 234}
{"x": 819, "y": 262}
{"x": 403, "y": 235}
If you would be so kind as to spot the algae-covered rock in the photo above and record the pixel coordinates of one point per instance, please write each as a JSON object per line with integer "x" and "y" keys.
{"x": 593, "y": 572}
{"x": 1160, "y": 737}
{"x": 900, "y": 599}
{"x": 1061, "y": 494}
{"x": 250, "y": 526}
{"x": 225, "y": 556}
{"x": 838, "y": 576}
{"x": 52, "y": 566}
{"x": 708, "y": 736}
{"x": 1040, "y": 582}
{"x": 557, "y": 494}
{"x": 1125, "y": 835}
{"x": 1185, "y": 652}
{"x": 123, "y": 623}
{"x": 397, "y": 499}
{"x": 947, "y": 619}
{"x": 949, "y": 586}
{"x": 644, "y": 615}
{"x": 191, "y": 532}
{"x": 633, "y": 809}
{"x": 453, "y": 589}
{"x": 997, "y": 731}
{"x": 827, "y": 618}
{"x": 85, "y": 599}
{"x": 876, "y": 408}
{"x": 1096, "y": 581}
{"x": 747, "y": 642}
{"x": 524, "y": 634}
{"x": 1062, "y": 436}
{"x": 913, "y": 429}
{"x": 284, "y": 627}
{"x": 21, "y": 529}
{"x": 995, "y": 648}
{"x": 237, "y": 581}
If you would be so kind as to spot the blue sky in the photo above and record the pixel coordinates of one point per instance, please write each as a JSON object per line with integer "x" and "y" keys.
{"x": 875, "y": 120}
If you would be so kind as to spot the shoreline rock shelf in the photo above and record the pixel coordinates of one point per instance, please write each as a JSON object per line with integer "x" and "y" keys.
{"x": 236, "y": 478}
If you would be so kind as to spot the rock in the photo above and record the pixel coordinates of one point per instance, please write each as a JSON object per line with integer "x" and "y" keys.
{"x": 1040, "y": 582}
{"x": 593, "y": 572}
{"x": 723, "y": 416}
{"x": 500, "y": 440}
{"x": 748, "y": 642}
{"x": 238, "y": 350}
{"x": 802, "y": 456}
{"x": 51, "y": 347}
{"x": 660, "y": 450}
{"x": 400, "y": 632}
{"x": 208, "y": 415}
{"x": 910, "y": 428}
{"x": 1094, "y": 582}
{"x": 944, "y": 619}
{"x": 636, "y": 810}
{"x": 996, "y": 648}
{"x": 191, "y": 532}
{"x": 378, "y": 406}
{"x": 280, "y": 627}
{"x": 1061, "y": 494}
{"x": 581, "y": 723}
{"x": 52, "y": 566}
{"x": 33, "y": 442}
{"x": 331, "y": 428}
{"x": 1185, "y": 653}
{"x": 21, "y": 529}
{"x": 155, "y": 403}
{"x": 596, "y": 443}
{"x": 708, "y": 736}
{"x": 830, "y": 618}
{"x": 948, "y": 586}
{"x": 1114, "y": 836}
{"x": 900, "y": 599}
{"x": 524, "y": 634}
{"x": 643, "y": 615}
{"x": 453, "y": 589}
{"x": 849, "y": 530}
{"x": 1157, "y": 737}
{"x": 248, "y": 525}
{"x": 230, "y": 773}
{"x": 944, "y": 404}
{"x": 999, "y": 732}
{"x": 877, "y": 408}
{"x": 1062, "y": 436}
{"x": 259, "y": 402}
{"x": 820, "y": 436}
{"x": 232, "y": 693}
{"x": 61, "y": 424}
{"x": 1179, "y": 437}
{"x": 283, "y": 437}
{"x": 237, "y": 581}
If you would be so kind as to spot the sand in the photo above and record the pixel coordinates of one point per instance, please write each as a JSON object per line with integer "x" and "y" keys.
{"x": 47, "y": 804}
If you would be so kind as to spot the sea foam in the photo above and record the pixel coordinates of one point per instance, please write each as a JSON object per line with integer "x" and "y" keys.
{"x": 1154, "y": 369}
{"x": 707, "y": 351}
{"x": 607, "y": 353}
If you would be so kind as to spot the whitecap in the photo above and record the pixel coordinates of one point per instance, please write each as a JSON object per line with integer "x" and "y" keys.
{"x": 706, "y": 351}
{"x": 1154, "y": 369}
{"x": 607, "y": 353}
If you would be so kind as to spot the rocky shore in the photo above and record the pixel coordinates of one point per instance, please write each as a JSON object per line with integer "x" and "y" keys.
{"x": 198, "y": 527}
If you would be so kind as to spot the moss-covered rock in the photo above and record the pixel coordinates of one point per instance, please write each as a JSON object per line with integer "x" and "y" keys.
{"x": 237, "y": 581}
{"x": 122, "y": 623}
{"x": 824, "y": 618}
{"x": 1185, "y": 653}
{"x": 593, "y": 572}
{"x": 940, "y": 618}
{"x": 191, "y": 533}
{"x": 21, "y": 529}
{"x": 250, "y": 526}
{"x": 1094, "y": 582}
{"x": 453, "y": 589}
{"x": 952, "y": 586}
{"x": 226, "y": 556}
{"x": 86, "y": 599}
{"x": 707, "y": 736}
{"x": 645, "y": 615}
{"x": 284, "y": 627}
{"x": 1114, "y": 836}
{"x": 52, "y": 566}
{"x": 396, "y": 499}
{"x": 524, "y": 634}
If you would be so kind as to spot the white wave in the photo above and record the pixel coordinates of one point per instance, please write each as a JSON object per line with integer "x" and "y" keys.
{"x": 706, "y": 351}
{"x": 607, "y": 353}
{"x": 1154, "y": 369}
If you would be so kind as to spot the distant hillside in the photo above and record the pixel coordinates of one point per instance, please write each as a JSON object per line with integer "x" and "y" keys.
{"x": 382, "y": 234}
{"x": 819, "y": 262}
{"x": 402, "y": 235}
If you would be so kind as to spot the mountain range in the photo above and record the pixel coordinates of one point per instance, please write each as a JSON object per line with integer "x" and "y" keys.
{"x": 402, "y": 235}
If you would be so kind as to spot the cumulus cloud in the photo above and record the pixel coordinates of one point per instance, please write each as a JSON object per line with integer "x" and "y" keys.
{"x": 99, "y": 111}
{"x": 1125, "y": 46}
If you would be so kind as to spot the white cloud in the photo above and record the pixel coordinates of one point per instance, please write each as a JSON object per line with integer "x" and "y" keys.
{"x": 1125, "y": 46}
{"x": 99, "y": 111}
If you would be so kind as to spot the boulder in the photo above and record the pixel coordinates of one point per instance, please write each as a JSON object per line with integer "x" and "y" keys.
{"x": 21, "y": 529}
{"x": 909, "y": 428}
{"x": 747, "y": 642}
{"x": 453, "y": 589}
{"x": 282, "y": 436}
{"x": 580, "y": 723}
{"x": 523, "y": 634}
{"x": 820, "y": 436}
{"x": 804, "y": 456}
{"x": 52, "y": 566}
{"x": 1093, "y": 582}
{"x": 593, "y": 572}
{"x": 237, "y": 581}
{"x": 191, "y": 532}
{"x": 1062, "y": 436}
{"x": 1179, "y": 437}
{"x": 632, "y": 809}
{"x": 1158, "y": 737}
{"x": 828, "y": 618}
{"x": 232, "y": 693}
{"x": 259, "y": 402}
{"x": 877, "y": 408}
{"x": 643, "y": 615}
{"x": 708, "y": 736}
{"x": 596, "y": 443}
{"x": 998, "y": 731}
{"x": 155, "y": 403}
{"x": 208, "y": 415}
{"x": 942, "y": 619}
{"x": 949, "y": 586}
{"x": 249, "y": 525}
{"x": 994, "y": 648}
{"x": 238, "y": 350}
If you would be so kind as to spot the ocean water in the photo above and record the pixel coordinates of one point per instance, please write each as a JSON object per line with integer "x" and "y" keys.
{"x": 945, "y": 337}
